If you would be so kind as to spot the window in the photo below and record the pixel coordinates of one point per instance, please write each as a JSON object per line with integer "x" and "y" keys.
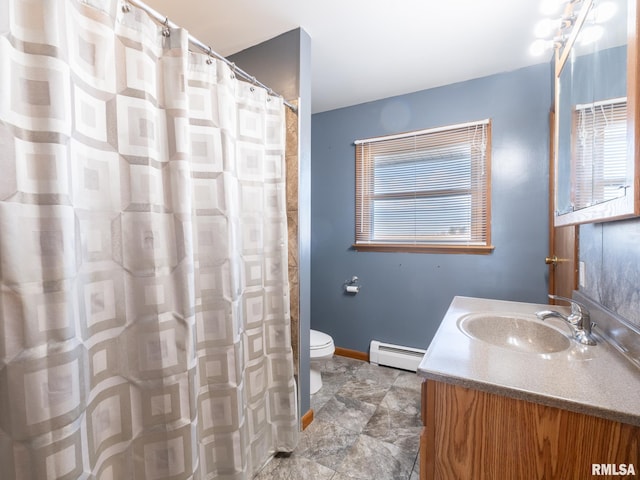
{"x": 600, "y": 151}
{"x": 425, "y": 191}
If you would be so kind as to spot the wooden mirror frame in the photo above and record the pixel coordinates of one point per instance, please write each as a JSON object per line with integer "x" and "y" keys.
{"x": 629, "y": 205}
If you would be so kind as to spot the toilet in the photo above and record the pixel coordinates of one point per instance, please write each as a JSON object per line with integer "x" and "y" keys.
{"x": 322, "y": 349}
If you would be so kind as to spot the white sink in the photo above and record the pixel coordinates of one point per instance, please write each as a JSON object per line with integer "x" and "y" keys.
{"x": 514, "y": 332}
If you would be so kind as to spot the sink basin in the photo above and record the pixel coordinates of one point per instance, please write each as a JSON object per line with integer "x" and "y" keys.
{"x": 514, "y": 332}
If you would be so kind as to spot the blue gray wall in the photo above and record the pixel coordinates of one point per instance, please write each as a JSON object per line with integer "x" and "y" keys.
{"x": 405, "y": 295}
{"x": 276, "y": 62}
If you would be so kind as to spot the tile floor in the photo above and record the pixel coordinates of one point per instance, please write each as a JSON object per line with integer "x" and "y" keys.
{"x": 366, "y": 426}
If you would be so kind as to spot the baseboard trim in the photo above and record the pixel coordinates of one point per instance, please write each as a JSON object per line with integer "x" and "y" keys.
{"x": 307, "y": 418}
{"x": 347, "y": 352}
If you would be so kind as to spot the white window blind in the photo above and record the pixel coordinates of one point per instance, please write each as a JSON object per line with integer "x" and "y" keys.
{"x": 427, "y": 188}
{"x": 600, "y": 149}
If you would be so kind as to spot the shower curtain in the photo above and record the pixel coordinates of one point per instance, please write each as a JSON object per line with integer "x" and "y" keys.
{"x": 144, "y": 319}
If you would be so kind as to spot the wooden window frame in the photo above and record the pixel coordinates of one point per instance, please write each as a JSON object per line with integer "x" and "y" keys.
{"x": 365, "y": 195}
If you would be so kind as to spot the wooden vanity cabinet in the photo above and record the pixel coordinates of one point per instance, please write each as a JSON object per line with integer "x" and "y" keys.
{"x": 470, "y": 434}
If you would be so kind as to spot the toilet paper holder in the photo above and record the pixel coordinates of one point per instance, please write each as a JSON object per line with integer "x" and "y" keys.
{"x": 352, "y": 286}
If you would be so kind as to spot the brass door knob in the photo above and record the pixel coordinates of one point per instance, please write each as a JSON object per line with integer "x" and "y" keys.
{"x": 555, "y": 260}
{"x": 551, "y": 260}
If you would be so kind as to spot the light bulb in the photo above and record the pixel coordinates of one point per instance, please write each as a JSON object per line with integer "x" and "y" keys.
{"x": 550, "y": 7}
{"x": 539, "y": 47}
{"x": 545, "y": 28}
{"x": 603, "y": 12}
{"x": 590, "y": 34}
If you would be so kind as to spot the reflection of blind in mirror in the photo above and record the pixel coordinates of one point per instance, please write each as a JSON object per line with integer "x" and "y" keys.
{"x": 600, "y": 152}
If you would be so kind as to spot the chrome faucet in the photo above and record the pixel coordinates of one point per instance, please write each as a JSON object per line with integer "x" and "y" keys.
{"x": 579, "y": 320}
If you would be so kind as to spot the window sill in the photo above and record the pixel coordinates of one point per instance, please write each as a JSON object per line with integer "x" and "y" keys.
{"x": 387, "y": 247}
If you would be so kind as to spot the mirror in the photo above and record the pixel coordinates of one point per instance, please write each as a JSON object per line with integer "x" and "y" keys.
{"x": 596, "y": 170}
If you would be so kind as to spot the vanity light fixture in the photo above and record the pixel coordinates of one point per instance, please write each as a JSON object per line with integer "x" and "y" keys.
{"x": 547, "y": 27}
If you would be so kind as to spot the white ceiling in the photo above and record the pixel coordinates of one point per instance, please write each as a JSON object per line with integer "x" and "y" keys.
{"x": 364, "y": 50}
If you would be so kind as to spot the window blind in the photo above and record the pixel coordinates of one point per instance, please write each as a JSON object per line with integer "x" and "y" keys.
{"x": 600, "y": 151}
{"x": 424, "y": 188}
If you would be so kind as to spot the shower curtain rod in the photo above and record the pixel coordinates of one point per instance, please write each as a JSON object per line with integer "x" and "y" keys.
{"x": 206, "y": 49}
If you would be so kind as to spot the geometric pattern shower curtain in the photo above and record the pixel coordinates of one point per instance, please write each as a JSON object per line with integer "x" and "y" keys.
{"x": 144, "y": 322}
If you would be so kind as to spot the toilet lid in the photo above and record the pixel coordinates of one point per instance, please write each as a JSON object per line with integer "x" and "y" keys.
{"x": 319, "y": 339}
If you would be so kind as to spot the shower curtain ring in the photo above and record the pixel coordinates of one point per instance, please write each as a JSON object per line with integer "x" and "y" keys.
{"x": 233, "y": 70}
{"x": 209, "y": 57}
{"x": 166, "y": 30}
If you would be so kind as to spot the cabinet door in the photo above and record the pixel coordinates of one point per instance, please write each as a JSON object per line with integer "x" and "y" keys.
{"x": 473, "y": 434}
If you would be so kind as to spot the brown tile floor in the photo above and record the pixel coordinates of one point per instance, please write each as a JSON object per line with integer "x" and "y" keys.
{"x": 367, "y": 426}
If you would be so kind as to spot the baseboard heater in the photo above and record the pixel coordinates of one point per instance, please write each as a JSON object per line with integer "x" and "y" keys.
{"x": 397, "y": 356}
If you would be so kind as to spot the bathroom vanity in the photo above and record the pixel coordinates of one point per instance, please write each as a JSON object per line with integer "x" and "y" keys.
{"x": 519, "y": 402}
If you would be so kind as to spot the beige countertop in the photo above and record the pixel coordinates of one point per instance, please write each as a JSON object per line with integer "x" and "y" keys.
{"x": 595, "y": 380}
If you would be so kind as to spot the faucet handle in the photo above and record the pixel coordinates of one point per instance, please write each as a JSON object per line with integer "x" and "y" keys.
{"x": 580, "y": 320}
{"x": 577, "y": 308}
